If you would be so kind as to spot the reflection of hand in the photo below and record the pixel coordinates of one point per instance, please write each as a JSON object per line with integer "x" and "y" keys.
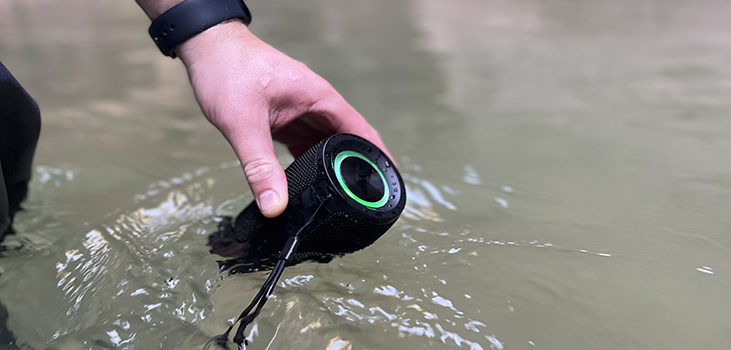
{"x": 253, "y": 93}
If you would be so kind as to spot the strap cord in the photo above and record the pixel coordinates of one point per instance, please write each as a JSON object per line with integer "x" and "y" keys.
{"x": 265, "y": 292}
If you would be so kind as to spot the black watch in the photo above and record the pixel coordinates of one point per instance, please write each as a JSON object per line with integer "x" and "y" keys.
{"x": 191, "y": 17}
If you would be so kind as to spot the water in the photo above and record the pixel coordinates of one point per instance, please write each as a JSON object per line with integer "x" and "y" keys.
{"x": 568, "y": 165}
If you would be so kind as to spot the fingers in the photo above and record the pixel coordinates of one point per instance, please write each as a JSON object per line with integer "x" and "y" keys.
{"x": 249, "y": 98}
{"x": 300, "y": 135}
{"x": 327, "y": 113}
{"x": 345, "y": 119}
{"x": 254, "y": 148}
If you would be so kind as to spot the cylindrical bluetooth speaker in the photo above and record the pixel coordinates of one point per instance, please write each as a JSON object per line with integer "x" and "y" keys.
{"x": 344, "y": 193}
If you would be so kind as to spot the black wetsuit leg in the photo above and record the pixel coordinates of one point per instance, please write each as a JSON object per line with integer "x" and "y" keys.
{"x": 20, "y": 126}
{"x": 4, "y": 212}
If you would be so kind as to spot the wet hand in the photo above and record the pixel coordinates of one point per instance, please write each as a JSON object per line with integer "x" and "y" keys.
{"x": 255, "y": 94}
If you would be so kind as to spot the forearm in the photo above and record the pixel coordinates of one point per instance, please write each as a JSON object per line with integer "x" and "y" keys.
{"x": 154, "y": 8}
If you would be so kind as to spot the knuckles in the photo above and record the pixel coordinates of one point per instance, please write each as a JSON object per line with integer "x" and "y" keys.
{"x": 259, "y": 170}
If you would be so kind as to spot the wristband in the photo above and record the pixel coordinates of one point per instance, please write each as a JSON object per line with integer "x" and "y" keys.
{"x": 190, "y": 17}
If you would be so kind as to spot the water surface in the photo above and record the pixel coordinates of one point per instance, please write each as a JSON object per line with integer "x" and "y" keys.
{"x": 568, "y": 166}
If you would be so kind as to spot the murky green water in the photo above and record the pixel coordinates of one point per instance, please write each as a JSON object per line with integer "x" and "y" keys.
{"x": 568, "y": 165}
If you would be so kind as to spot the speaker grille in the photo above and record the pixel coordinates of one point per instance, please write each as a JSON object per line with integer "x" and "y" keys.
{"x": 340, "y": 233}
{"x": 302, "y": 173}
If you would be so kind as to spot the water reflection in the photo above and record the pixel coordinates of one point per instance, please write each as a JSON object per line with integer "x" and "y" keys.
{"x": 135, "y": 274}
{"x": 567, "y": 166}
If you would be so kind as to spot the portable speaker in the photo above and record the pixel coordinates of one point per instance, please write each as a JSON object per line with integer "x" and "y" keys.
{"x": 344, "y": 193}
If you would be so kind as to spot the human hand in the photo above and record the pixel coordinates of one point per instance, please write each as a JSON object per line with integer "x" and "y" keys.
{"x": 255, "y": 94}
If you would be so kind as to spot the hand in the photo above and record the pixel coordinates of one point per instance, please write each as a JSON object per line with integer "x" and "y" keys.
{"x": 255, "y": 94}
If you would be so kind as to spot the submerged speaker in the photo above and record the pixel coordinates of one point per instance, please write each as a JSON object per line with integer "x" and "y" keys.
{"x": 344, "y": 193}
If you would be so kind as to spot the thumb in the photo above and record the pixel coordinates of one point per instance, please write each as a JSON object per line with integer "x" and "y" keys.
{"x": 255, "y": 150}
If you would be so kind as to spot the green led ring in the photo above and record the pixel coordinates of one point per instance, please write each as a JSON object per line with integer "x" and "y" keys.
{"x": 337, "y": 163}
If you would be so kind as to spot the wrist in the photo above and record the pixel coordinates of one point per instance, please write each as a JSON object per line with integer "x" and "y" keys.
{"x": 214, "y": 40}
{"x": 176, "y": 21}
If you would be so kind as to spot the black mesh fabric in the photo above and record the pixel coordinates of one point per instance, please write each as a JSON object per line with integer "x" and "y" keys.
{"x": 300, "y": 175}
{"x": 340, "y": 233}
{"x": 248, "y": 222}
{"x": 303, "y": 171}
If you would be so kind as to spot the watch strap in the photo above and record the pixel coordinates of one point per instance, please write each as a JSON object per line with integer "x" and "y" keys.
{"x": 190, "y": 17}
